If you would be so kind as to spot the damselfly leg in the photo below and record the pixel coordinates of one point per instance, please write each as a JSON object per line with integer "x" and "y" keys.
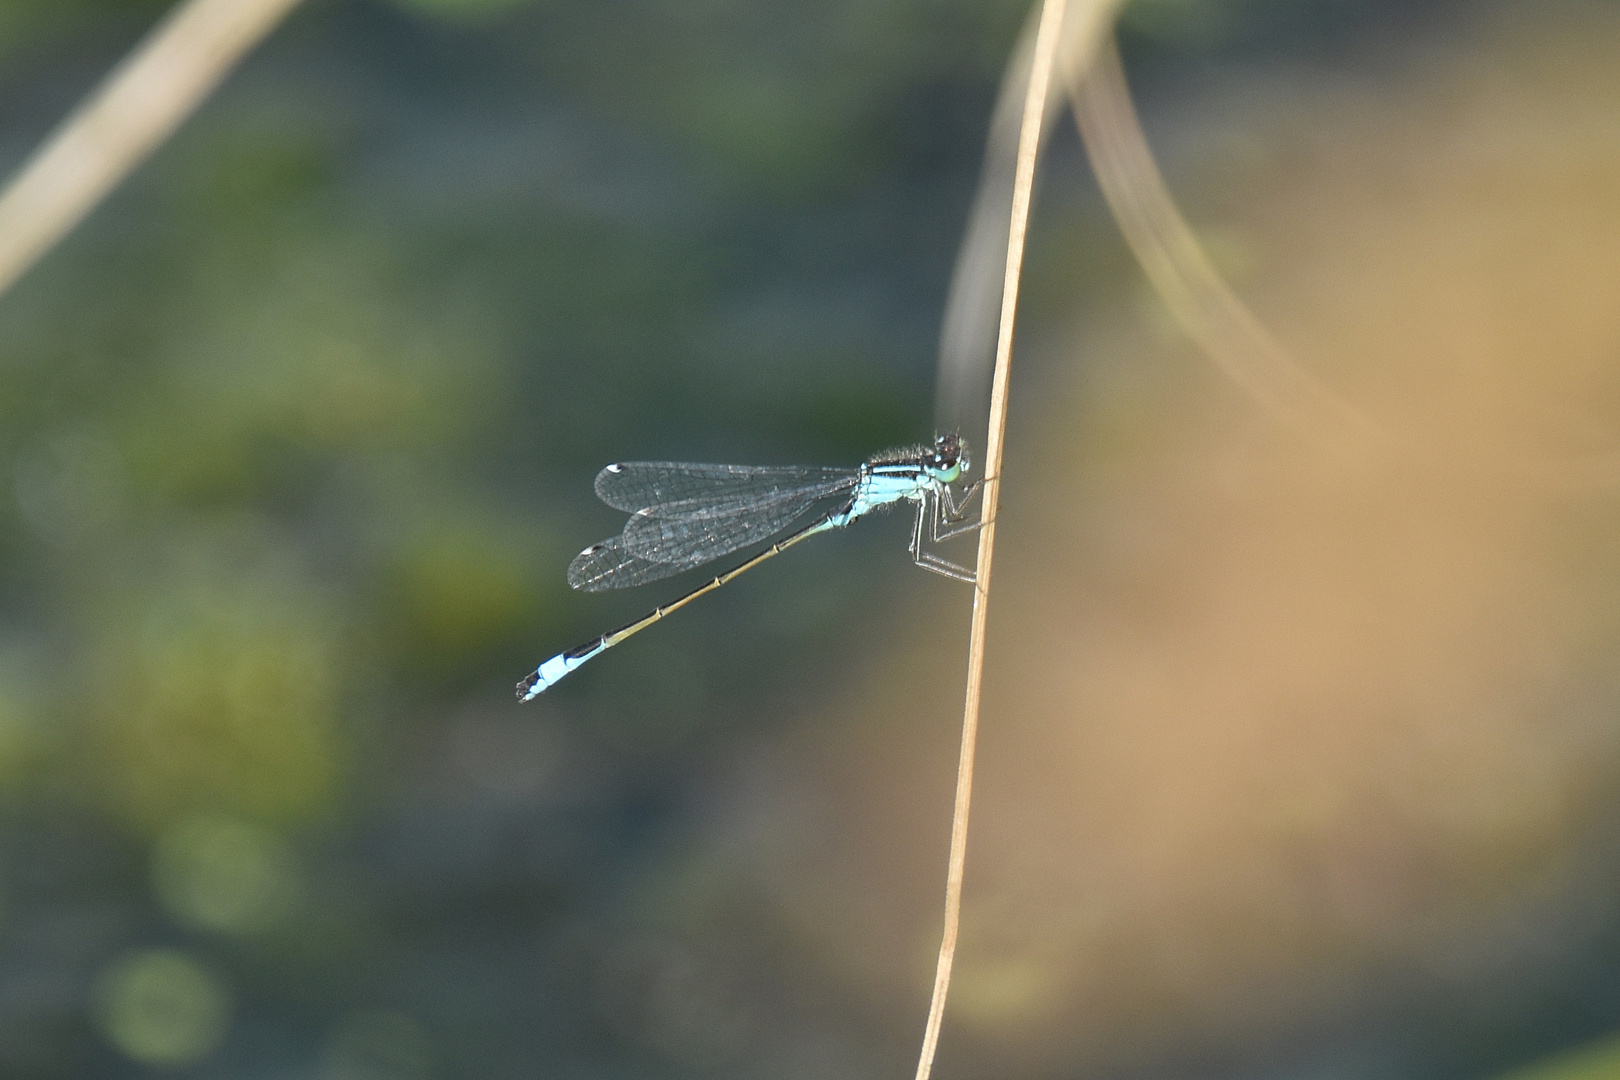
{"x": 942, "y": 518}
{"x": 951, "y": 518}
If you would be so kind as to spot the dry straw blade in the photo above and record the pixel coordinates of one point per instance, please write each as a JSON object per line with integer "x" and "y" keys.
{"x": 1087, "y": 23}
{"x": 1213, "y": 315}
{"x": 138, "y": 106}
{"x": 1185, "y": 277}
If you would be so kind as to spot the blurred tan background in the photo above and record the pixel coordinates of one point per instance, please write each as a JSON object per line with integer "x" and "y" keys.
{"x": 1284, "y": 745}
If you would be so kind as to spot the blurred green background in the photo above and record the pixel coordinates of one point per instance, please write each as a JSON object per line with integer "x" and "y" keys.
{"x": 1293, "y": 768}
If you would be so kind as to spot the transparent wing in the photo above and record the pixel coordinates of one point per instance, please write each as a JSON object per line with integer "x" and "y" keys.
{"x": 625, "y": 561}
{"x": 638, "y": 485}
{"x": 609, "y": 566}
{"x": 690, "y": 539}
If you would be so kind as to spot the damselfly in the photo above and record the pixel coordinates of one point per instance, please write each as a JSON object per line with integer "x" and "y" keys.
{"x": 682, "y": 516}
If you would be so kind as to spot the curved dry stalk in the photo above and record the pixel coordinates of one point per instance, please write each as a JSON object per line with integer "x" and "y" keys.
{"x": 1043, "y": 58}
{"x": 139, "y": 105}
{"x": 1199, "y": 299}
{"x": 1217, "y": 319}
{"x": 968, "y": 333}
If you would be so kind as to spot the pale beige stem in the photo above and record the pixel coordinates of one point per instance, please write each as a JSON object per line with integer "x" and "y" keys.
{"x": 1029, "y": 141}
{"x": 1215, "y": 317}
{"x": 139, "y": 105}
{"x": 1196, "y": 294}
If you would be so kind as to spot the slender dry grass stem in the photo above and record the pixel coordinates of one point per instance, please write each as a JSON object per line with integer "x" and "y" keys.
{"x": 1029, "y": 140}
{"x": 1212, "y": 313}
{"x": 1207, "y": 308}
{"x": 139, "y": 105}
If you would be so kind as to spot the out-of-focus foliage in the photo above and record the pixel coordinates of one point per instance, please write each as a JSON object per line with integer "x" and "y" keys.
{"x": 1597, "y": 1062}
{"x": 297, "y": 435}
{"x": 29, "y": 25}
{"x": 162, "y": 1008}
{"x": 223, "y": 875}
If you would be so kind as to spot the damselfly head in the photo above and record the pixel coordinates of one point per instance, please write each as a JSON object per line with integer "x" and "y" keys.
{"x": 950, "y": 458}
